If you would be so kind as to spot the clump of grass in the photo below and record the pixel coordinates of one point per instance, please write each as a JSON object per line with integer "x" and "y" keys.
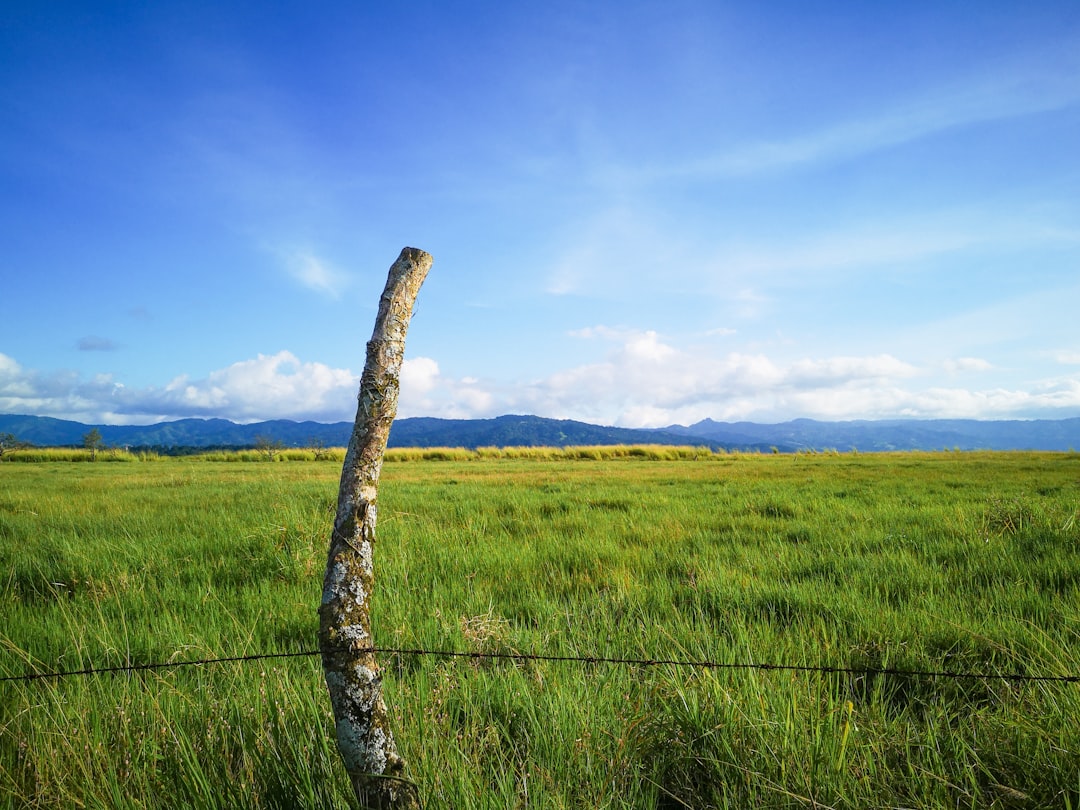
{"x": 72, "y": 454}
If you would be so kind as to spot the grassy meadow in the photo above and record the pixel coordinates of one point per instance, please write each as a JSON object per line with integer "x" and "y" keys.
{"x": 942, "y": 561}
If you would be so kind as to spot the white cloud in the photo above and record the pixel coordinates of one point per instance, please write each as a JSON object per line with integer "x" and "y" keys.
{"x": 419, "y": 375}
{"x": 846, "y": 369}
{"x": 9, "y": 368}
{"x": 601, "y": 332}
{"x": 646, "y": 348}
{"x": 277, "y": 386}
{"x": 60, "y": 394}
{"x": 642, "y": 380}
{"x": 16, "y": 386}
{"x": 267, "y": 387}
{"x": 426, "y": 392}
{"x": 646, "y": 381}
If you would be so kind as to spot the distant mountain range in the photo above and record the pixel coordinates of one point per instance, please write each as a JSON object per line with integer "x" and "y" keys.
{"x": 535, "y": 431}
{"x": 892, "y": 434}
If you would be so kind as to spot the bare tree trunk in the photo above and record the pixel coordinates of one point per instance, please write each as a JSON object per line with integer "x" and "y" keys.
{"x": 345, "y": 640}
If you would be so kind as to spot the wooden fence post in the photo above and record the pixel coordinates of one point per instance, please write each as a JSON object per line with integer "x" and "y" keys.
{"x": 345, "y": 640}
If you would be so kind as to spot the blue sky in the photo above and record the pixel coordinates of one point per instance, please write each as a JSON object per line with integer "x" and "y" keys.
{"x": 641, "y": 213}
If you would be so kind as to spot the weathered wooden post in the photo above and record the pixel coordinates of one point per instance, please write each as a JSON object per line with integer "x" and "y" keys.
{"x": 345, "y": 639}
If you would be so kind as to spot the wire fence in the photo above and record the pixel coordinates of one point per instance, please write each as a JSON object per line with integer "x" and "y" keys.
{"x": 577, "y": 659}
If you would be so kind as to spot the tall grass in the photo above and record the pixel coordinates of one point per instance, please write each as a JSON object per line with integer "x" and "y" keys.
{"x": 917, "y": 561}
{"x": 653, "y": 452}
{"x": 275, "y": 455}
{"x": 38, "y": 455}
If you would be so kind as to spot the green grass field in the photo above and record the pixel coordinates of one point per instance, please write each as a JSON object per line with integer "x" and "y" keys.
{"x": 948, "y": 561}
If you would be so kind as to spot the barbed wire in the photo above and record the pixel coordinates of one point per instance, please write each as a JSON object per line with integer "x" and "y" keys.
{"x": 543, "y": 657}
{"x": 70, "y": 673}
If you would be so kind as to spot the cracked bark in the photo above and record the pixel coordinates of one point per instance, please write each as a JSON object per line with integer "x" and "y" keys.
{"x": 352, "y": 674}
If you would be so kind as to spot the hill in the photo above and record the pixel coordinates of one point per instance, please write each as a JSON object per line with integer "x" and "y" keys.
{"x": 502, "y": 431}
{"x": 893, "y": 434}
{"x": 533, "y": 431}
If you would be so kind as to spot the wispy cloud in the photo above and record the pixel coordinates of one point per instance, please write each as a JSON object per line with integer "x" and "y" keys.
{"x": 963, "y": 364}
{"x": 858, "y": 247}
{"x": 316, "y": 273}
{"x": 601, "y": 332}
{"x": 619, "y": 252}
{"x": 617, "y": 247}
{"x": 1050, "y": 83}
{"x": 94, "y": 343}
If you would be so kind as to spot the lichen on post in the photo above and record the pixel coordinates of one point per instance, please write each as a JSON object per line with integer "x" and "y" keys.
{"x": 352, "y": 675}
